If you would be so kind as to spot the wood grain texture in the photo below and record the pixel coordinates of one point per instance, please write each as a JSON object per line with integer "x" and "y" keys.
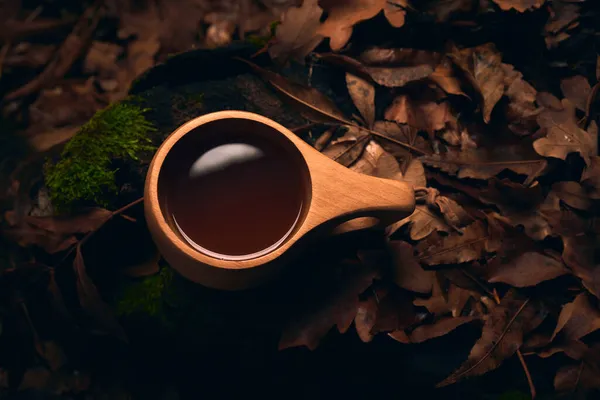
{"x": 336, "y": 195}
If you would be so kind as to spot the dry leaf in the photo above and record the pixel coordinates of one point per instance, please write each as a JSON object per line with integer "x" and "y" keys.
{"x": 519, "y": 5}
{"x": 572, "y": 194}
{"x": 449, "y": 299}
{"x": 407, "y": 273}
{"x": 441, "y": 327}
{"x": 571, "y": 377}
{"x": 396, "y": 312}
{"x": 363, "y": 96}
{"x": 339, "y": 310}
{"x": 502, "y": 336}
{"x": 581, "y": 256}
{"x": 348, "y": 149}
{"x": 375, "y": 161}
{"x": 454, "y": 215}
{"x": 389, "y": 76}
{"x": 445, "y": 78}
{"x": 343, "y": 15}
{"x": 528, "y": 269}
{"x": 521, "y": 109}
{"x": 297, "y": 36}
{"x": 577, "y": 89}
{"x": 483, "y": 66}
{"x": 404, "y": 134}
{"x": 474, "y": 243}
{"x": 422, "y": 221}
{"x": 590, "y": 179}
{"x": 487, "y": 162}
{"x": 366, "y": 316}
{"x": 563, "y": 135}
{"x": 577, "y": 319}
{"x": 313, "y": 104}
{"x": 399, "y": 57}
{"x": 424, "y": 115}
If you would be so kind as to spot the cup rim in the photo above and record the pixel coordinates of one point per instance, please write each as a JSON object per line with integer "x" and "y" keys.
{"x": 153, "y": 204}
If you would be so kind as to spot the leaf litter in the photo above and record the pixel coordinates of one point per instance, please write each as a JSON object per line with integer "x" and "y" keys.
{"x": 503, "y": 211}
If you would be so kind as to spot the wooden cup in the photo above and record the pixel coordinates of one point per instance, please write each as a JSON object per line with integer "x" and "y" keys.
{"x": 334, "y": 195}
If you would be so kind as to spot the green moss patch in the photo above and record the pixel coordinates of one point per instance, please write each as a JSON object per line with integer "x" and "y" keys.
{"x": 83, "y": 173}
{"x": 146, "y": 296}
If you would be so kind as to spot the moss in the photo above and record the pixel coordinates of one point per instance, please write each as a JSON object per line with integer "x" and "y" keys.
{"x": 147, "y": 296}
{"x": 262, "y": 41}
{"x": 83, "y": 173}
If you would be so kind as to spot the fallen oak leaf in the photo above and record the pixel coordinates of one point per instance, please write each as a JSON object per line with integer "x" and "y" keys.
{"x": 473, "y": 243}
{"x": 314, "y": 104}
{"x": 521, "y": 110}
{"x": 577, "y": 319}
{"x": 388, "y": 76}
{"x": 407, "y": 272}
{"x": 590, "y": 179}
{"x": 519, "y": 5}
{"x": 577, "y": 89}
{"x": 444, "y": 76}
{"x": 483, "y": 67}
{"x": 363, "y": 96}
{"x": 501, "y": 337}
{"x": 527, "y": 269}
{"x": 347, "y": 149}
{"x": 571, "y": 377}
{"x": 296, "y": 36}
{"x": 439, "y": 328}
{"x": 339, "y": 310}
{"x": 423, "y": 222}
{"x": 564, "y": 136}
{"x": 581, "y": 257}
{"x": 85, "y": 222}
{"x": 426, "y": 115}
{"x": 391, "y": 133}
{"x": 572, "y": 194}
{"x": 343, "y": 15}
{"x": 487, "y": 162}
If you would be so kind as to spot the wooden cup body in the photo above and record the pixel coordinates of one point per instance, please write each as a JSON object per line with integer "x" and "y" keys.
{"x": 334, "y": 194}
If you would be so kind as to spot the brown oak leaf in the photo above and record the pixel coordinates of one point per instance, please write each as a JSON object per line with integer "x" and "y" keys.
{"x": 571, "y": 377}
{"x": 407, "y": 272}
{"x": 363, "y": 96}
{"x": 438, "y": 328}
{"x": 563, "y": 135}
{"x": 297, "y": 36}
{"x": 519, "y": 5}
{"x": 521, "y": 111}
{"x": 483, "y": 67}
{"x": 577, "y": 319}
{"x": 577, "y": 89}
{"x": 426, "y": 115}
{"x": 347, "y": 149}
{"x": 501, "y": 337}
{"x": 474, "y": 243}
{"x": 581, "y": 256}
{"x": 572, "y": 194}
{"x": 527, "y": 269}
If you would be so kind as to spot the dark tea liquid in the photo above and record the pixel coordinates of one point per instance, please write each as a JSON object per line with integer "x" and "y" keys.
{"x": 235, "y": 200}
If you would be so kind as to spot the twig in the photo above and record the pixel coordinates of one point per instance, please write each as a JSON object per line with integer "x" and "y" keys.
{"x": 8, "y": 44}
{"x": 66, "y": 55}
{"x": 527, "y": 374}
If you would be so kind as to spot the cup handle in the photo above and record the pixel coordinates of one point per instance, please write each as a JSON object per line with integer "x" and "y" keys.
{"x": 365, "y": 202}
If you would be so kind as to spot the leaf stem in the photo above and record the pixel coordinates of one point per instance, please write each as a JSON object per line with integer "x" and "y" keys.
{"x": 527, "y": 374}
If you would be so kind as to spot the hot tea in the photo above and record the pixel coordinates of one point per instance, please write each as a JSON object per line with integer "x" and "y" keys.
{"x": 234, "y": 198}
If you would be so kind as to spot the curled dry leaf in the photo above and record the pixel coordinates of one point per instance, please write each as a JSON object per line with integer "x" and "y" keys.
{"x": 572, "y": 194}
{"x": 590, "y": 179}
{"x": 375, "y": 161}
{"x": 502, "y": 336}
{"x": 396, "y": 312}
{"x": 483, "y": 67}
{"x": 426, "y": 115}
{"x": 366, "y": 317}
{"x": 474, "y": 243}
{"x": 389, "y": 76}
{"x": 519, "y": 5}
{"x": 339, "y": 309}
{"x": 577, "y": 319}
{"x": 313, "y": 104}
{"x": 378, "y": 56}
{"x": 563, "y": 135}
{"x": 527, "y": 269}
{"x": 439, "y": 328}
{"x": 297, "y": 36}
{"x": 363, "y": 96}
{"x": 392, "y": 133}
{"x": 446, "y": 298}
{"x": 408, "y": 273}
